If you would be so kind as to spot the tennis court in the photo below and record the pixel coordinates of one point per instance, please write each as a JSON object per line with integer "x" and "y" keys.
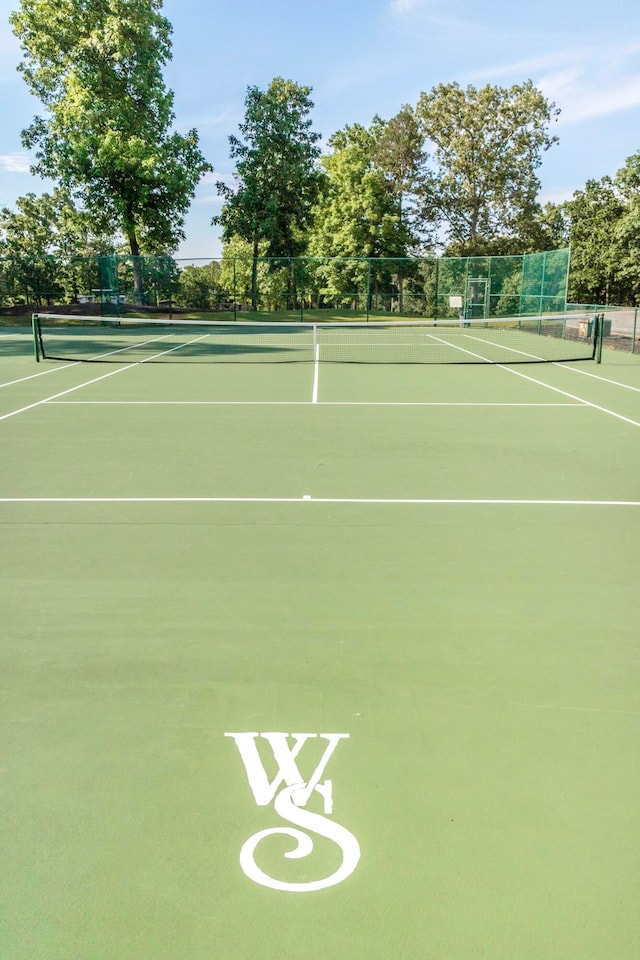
{"x": 380, "y": 616}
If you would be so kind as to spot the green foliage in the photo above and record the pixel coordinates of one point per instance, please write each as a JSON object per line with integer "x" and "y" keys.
{"x": 199, "y": 286}
{"x": 278, "y": 180}
{"x": 400, "y": 157}
{"x": 486, "y": 147}
{"x": 604, "y": 221}
{"x": 49, "y": 225}
{"x": 595, "y": 214}
{"x": 96, "y": 65}
{"x": 44, "y": 244}
{"x": 628, "y": 229}
{"x": 240, "y": 271}
{"x": 359, "y": 214}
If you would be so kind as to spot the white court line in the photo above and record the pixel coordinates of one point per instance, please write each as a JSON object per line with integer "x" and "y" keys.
{"x": 104, "y": 376}
{"x": 308, "y": 499}
{"x": 306, "y": 403}
{"x": 76, "y": 363}
{"x": 572, "y": 396}
{"x": 449, "y": 343}
{"x": 43, "y": 373}
{"x": 596, "y": 376}
{"x": 541, "y": 383}
{"x": 501, "y": 346}
{"x": 79, "y": 386}
{"x": 555, "y": 363}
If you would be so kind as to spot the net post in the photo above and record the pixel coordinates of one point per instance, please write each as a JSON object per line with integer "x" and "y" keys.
{"x": 34, "y": 329}
{"x": 598, "y": 336}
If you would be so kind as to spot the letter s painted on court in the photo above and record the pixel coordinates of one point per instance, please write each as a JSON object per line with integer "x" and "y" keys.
{"x": 289, "y": 803}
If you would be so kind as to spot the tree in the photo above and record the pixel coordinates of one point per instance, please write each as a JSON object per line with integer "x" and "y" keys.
{"x": 243, "y": 272}
{"x": 47, "y": 245}
{"x": 594, "y": 215}
{"x": 278, "y": 179}
{"x": 627, "y": 231}
{"x": 400, "y": 157}
{"x": 359, "y": 213}
{"x": 199, "y": 286}
{"x": 486, "y": 146}
{"x": 96, "y": 66}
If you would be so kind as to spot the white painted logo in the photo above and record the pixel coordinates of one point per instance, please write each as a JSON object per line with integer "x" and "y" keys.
{"x": 290, "y": 794}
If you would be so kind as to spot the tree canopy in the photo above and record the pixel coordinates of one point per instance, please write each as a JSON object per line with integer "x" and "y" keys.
{"x": 486, "y": 147}
{"x": 604, "y": 231}
{"x": 277, "y": 175}
{"x": 96, "y": 66}
{"x": 359, "y": 214}
{"x": 456, "y": 173}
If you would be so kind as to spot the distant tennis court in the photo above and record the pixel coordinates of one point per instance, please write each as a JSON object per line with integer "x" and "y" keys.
{"x": 319, "y": 659}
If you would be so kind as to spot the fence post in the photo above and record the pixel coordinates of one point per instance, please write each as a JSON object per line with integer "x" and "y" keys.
{"x": 235, "y": 303}
{"x": 435, "y": 296}
{"x": 34, "y": 328}
{"x": 635, "y": 325}
{"x": 300, "y": 286}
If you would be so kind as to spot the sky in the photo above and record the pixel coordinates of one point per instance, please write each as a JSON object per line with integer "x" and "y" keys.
{"x": 366, "y": 57}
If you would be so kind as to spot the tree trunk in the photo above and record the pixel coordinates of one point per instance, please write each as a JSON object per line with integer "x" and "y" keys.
{"x": 138, "y": 288}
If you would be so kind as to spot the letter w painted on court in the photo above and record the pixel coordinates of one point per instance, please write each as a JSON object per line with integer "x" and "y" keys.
{"x": 290, "y": 793}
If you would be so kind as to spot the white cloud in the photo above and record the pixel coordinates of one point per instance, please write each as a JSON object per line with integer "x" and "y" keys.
{"x": 457, "y": 19}
{"x": 15, "y": 163}
{"x": 582, "y": 94}
{"x": 218, "y": 119}
{"x": 210, "y": 121}
{"x": 215, "y": 177}
{"x": 585, "y": 82}
{"x": 404, "y": 6}
{"x": 209, "y": 180}
{"x": 523, "y": 68}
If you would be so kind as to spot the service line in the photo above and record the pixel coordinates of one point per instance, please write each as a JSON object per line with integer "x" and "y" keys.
{"x": 306, "y": 403}
{"x": 307, "y": 498}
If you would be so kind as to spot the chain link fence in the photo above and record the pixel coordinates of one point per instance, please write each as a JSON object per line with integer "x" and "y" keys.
{"x": 290, "y": 287}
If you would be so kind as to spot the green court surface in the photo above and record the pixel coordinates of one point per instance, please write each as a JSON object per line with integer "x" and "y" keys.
{"x": 425, "y": 576}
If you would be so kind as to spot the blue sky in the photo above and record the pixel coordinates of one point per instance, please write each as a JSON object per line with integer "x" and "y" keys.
{"x": 363, "y": 57}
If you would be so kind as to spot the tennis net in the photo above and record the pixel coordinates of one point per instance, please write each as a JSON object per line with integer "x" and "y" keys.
{"x": 505, "y": 340}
